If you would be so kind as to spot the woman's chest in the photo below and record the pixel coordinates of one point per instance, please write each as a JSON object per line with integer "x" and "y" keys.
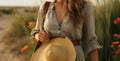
{"x": 66, "y": 28}
{"x": 52, "y": 25}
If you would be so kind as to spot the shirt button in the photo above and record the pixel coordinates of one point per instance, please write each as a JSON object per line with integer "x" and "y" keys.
{"x": 59, "y": 29}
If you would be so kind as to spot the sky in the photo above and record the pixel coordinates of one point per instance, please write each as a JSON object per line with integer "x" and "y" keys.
{"x": 22, "y": 3}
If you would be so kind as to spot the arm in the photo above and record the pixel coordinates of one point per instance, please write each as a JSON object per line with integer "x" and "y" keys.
{"x": 93, "y": 56}
{"x": 90, "y": 43}
{"x": 38, "y": 32}
{"x": 37, "y": 28}
{"x": 35, "y": 31}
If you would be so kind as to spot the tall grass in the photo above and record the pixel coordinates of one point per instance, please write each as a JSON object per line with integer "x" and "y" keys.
{"x": 105, "y": 12}
{"x": 20, "y": 28}
{"x": 19, "y": 25}
{"x": 115, "y": 13}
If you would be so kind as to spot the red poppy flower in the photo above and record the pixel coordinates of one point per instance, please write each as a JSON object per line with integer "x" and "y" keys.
{"x": 116, "y": 35}
{"x": 25, "y": 48}
{"x": 118, "y": 19}
{"x": 115, "y": 43}
{"x": 31, "y": 24}
{"x": 115, "y": 22}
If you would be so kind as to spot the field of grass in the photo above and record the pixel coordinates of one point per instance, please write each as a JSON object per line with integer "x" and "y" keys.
{"x": 16, "y": 24}
{"x": 106, "y": 13}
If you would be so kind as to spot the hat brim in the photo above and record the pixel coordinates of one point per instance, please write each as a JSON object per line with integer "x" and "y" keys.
{"x": 57, "y": 49}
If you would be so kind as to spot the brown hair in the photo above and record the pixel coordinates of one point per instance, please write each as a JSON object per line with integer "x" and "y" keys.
{"x": 75, "y": 8}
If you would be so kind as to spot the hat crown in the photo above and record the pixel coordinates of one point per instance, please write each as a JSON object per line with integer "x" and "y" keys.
{"x": 57, "y": 49}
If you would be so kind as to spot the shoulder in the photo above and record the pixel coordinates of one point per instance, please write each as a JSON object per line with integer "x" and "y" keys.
{"x": 88, "y": 5}
{"x": 43, "y": 4}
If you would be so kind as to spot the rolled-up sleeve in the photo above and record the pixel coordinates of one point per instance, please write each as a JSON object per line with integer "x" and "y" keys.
{"x": 37, "y": 28}
{"x": 90, "y": 39}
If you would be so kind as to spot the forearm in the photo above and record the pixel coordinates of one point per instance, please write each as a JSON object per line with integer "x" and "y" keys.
{"x": 93, "y": 56}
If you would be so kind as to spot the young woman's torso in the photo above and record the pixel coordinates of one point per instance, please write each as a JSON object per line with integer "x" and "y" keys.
{"x": 61, "y": 11}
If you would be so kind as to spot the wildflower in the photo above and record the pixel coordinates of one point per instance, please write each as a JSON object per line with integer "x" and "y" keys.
{"x": 115, "y": 43}
{"x": 115, "y": 22}
{"x": 116, "y": 35}
{"x": 31, "y": 24}
{"x": 25, "y": 48}
{"x": 118, "y": 19}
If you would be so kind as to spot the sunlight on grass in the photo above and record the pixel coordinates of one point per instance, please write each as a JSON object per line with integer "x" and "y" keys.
{"x": 106, "y": 11}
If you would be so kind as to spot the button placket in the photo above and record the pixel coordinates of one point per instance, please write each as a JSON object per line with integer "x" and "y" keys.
{"x": 59, "y": 30}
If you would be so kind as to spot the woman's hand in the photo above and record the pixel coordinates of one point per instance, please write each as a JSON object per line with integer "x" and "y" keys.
{"x": 42, "y": 36}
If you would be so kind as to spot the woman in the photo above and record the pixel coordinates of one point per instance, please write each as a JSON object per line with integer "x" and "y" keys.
{"x": 73, "y": 19}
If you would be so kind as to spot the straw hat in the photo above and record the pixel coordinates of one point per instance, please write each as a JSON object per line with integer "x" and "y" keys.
{"x": 57, "y": 49}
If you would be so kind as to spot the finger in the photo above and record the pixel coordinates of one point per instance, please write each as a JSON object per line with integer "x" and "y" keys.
{"x": 43, "y": 33}
{"x": 48, "y": 33}
{"x": 41, "y": 39}
{"x": 45, "y": 36}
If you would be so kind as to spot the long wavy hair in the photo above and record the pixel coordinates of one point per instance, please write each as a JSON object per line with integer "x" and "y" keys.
{"x": 75, "y": 8}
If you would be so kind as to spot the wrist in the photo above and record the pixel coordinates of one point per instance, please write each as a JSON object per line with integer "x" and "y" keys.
{"x": 36, "y": 36}
{"x": 93, "y": 56}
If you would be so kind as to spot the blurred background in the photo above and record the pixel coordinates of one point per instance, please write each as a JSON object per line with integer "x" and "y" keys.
{"x": 18, "y": 17}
